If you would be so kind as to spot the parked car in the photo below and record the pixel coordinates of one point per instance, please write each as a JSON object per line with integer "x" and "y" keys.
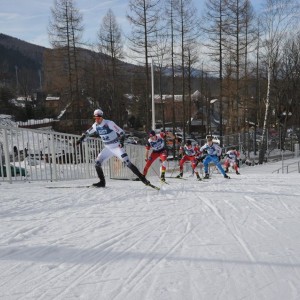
{"x": 132, "y": 140}
{"x": 15, "y": 171}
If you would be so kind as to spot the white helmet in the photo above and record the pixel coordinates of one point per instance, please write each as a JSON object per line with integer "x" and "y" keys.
{"x": 98, "y": 113}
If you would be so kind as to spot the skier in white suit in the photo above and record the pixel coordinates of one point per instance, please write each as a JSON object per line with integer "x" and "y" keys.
{"x": 113, "y": 139}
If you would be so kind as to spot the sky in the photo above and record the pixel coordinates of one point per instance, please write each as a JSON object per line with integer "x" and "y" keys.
{"x": 216, "y": 239}
{"x": 28, "y": 20}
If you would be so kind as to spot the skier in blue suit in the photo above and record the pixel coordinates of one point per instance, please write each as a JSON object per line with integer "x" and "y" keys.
{"x": 213, "y": 153}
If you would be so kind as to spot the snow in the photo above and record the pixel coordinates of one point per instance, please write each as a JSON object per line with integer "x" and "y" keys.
{"x": 6, "y": 120}
{"x": 218, "y": 239}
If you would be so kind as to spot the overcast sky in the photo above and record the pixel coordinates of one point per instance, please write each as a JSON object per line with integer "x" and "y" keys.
{"x": 28, "y": 19}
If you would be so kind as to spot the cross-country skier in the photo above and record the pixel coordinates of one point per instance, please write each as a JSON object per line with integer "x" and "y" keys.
{"x": 189, "y": 153}
{"x": 214, "y": 152}
{"x": 112, "y": 137}
{"x": 232, "y": 159}
{"x": 156, "y": 143}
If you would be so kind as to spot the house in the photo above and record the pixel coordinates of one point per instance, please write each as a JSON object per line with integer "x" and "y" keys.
{"x": 52, "y": 102}
{"x": 164, "y": 107}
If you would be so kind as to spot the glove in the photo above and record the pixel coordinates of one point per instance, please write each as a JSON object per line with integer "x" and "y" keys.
{"x": 121, "y": 141}
{"x": 80, "y": 140}
{"x": 201, "y": 158}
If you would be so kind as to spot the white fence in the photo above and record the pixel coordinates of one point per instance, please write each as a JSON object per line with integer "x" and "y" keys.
{"x": 31, "y": 155}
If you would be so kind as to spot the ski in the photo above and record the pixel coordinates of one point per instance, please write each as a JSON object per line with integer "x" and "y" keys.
{"x": 70, "y": 187}
{"x": 153, "y": 186}
{"x": 164, "y": 182}
{"x": 177, "y": 178}
{"x": 205, "y": 178}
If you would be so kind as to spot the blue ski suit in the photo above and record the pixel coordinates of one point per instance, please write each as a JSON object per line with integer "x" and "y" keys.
{"x": 213, "y": 152}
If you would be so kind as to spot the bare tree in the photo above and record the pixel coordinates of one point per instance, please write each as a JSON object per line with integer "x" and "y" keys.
{"x": 191, "y": 60}
{"x": 214, "y": 27}
{"x": 279, "y": 17}
{"x": 170, "y": 7}
{"x": 111, "y": 44}
{"x": 65, "y": 33}
{"x": 286, "y": 91}
{"x": 238, "y": 22}
{"x": 144, "y": 17}
{"x": 161, "y": 51}
{"x": 188, "y": 32}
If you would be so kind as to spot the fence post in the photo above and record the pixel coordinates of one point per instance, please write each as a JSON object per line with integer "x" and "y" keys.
{"x": 53, "y": 154}
{"x": 296, "y": 149}
{"x": 6, "y": 155}
{"x": 87, "y": 158}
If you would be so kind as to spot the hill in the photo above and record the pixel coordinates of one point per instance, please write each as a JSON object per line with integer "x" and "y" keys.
{"x": 17, "y": 56}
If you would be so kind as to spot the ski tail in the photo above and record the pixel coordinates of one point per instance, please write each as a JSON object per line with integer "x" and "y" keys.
{"x": 153, "y": 186}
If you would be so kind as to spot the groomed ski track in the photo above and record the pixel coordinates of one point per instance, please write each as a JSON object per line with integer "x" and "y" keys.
{"x": 213, "y": 239}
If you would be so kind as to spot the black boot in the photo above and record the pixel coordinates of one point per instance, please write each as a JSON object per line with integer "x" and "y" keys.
{"x": 135, "y": 170}
{"x": 100, "y": 174}
{"x": 99, "y": 184}
{"x": 207, "y": 176}
{"x": 179, "y": 175}
{"x": 144, "y": 180}
{"x": 162, "y": 177}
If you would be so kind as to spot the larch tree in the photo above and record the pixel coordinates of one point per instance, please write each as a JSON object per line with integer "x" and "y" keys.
{"x": 144, "y": 17}
{"x": 170, "y": 9}
{"x": 188, "y": 30}
{"x": 213, "y": 26}
{"x": 65, "y": 34}
{"x": 111, "y": 45}
{"x": 240, "y": 36}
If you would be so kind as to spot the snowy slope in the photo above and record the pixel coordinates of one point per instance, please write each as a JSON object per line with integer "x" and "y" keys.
{"x": 218, "y": 239}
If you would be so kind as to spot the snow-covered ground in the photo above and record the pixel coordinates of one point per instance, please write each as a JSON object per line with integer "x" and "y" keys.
{"x": 218, "y": 239}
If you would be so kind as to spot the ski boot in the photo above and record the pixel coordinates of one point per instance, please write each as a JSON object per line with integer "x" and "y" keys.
{"x": 226, "y": 170}
{"x": 179, "y": 175}
{"x": 226, "y": 176}
{"x": 207, "y": 176}
{"x": 144, "y": 180}
{"x": 237, "y": 173}
{"x": 101, "y": 183}
{"x": 100, "y": 174}
{"x": 198, "y": 177}
{"x": 162, "y": 177}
